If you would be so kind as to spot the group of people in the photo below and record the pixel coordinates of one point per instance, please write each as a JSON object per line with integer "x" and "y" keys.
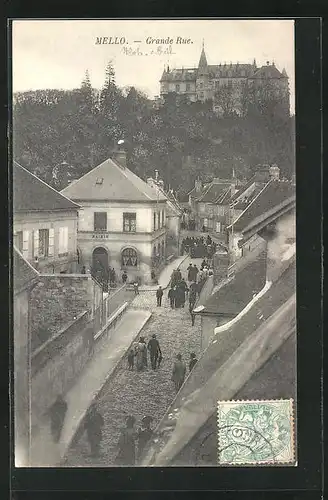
{"x": 180, "y": 369}
{"x": 198, "y": 247}
{"x": 132, "y": 442}
{"x": 138, "y": 354}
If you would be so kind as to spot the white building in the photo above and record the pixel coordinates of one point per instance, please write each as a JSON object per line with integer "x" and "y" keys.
{"x": 121, "y": 220}
{"x": 44, "y": 224}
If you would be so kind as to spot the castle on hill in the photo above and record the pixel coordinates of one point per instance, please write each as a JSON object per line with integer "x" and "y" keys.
{"x": 226, "y": 84}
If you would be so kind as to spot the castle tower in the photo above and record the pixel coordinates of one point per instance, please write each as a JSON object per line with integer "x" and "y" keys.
{"x": 202, "y": 81}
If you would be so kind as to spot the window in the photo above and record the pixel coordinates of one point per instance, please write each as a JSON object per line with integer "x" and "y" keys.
{"x": 63, "y": 241}
{"x": 43, "y": 242}
{"x": 163, "y": 218}
{"x": 25, "y": 249}
{"x": 19, "y": 241}
{"x": 129, "y": 258}
{"x": 154, "y": 222}
{"x": 99, "y": 180}
{"x": 188, "y": 86}
{"x": 177, "y": 87}
{"x": 201, "y": 85}
{"x": 100, "y": 221}
{"x": 218, "y": 227}
{"x": 158, "y": 220}
{"x": 129, "y": 222}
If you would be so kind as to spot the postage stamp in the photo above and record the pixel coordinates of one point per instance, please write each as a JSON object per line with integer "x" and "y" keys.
{"x": 256, "y": 432}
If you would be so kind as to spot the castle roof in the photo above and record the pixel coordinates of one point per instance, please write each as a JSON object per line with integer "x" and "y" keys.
{"x": 202, "y": 59}
{"x": 180, "y": 74}
{"x": 32, "y": 194}
{"x": 231, "y": 70}
{"x": 113, "y": 182}
{"x": 268, "y": 71}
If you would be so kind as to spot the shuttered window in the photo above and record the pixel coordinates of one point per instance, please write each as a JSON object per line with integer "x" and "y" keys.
{"x": 36, "y": 243}
{"x": 129, "y": 222}
{"x": 25, "y": 250}
{"x": 63, "y": 241}
{"x": 43, "y": 242}
{"x": 100, "y": 221}
{"x": 51, "y": 242}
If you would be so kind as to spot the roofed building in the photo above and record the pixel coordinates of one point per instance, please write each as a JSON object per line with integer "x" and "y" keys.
{"x": 228, "y": 85}
{"x": 44, "y": 223}
{"x": 121, "y": 220}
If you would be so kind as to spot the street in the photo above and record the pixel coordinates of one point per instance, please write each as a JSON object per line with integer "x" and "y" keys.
{"x": 142, "y": 393}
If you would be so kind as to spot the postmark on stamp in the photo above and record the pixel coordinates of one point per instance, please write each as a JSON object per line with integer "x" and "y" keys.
{"x": 256, "y": 432}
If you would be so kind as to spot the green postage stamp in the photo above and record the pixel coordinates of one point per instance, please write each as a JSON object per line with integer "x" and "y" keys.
{"x": 256, "y": 432}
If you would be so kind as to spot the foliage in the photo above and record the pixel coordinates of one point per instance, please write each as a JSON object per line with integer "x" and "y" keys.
{"x": 60, "y": 135}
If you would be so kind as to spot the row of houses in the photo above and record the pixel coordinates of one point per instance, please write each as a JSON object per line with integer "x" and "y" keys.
{"x": 109, "y": 218}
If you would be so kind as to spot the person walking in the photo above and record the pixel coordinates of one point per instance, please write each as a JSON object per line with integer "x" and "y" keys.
{"x": 144, "y": 435}
{"x": 83, "y": 270}
{"x": 141, "y": 354}
{"x": 193, "y": 361}
{"x": 131, "y": 356}
{"x": 195, "y": 272}
{"x": 93, "y": 425}
{"x": 124, "y": 277}
{"x": 189, "y": 272}
{"x": 171, "y": 295}
{"x": 154, "y": 351}
{"x": 126, "y": 444}
{"x": 159, "y": 296}
{"x": 136, "y": 288}
{"x": 57, "y": 416}
{"x": 178, "y": 372}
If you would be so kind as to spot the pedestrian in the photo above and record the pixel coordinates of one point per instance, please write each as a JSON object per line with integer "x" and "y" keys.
{"x": 178, "y": 372}
{"x": 179, "y": 297}
{"x": 144, "y": 434}
{"x": 210, "y": 271}
{"x": 190, "y": 272}
{"x": 131, "y": 356}
{"x": 126, "y": 444}
{"x": 159, "y": 296}
{"x": 136, "y": 288}
{"x": 93, "y": 425}
{"x": 174, "y": 278}
{"x": 83, "y": 270}
{"x": 171, "y": 296}
{"x": 193, "y": 361}
{"x": 178, "y": 275}
{"x": 57, "y": 416}
{"x": 154, "y": 351}
{"x": 124, "y": 277}
{"x": 141, "y": 354}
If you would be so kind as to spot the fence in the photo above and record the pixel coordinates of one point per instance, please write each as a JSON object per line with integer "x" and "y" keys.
{"x": 116, "y": 298}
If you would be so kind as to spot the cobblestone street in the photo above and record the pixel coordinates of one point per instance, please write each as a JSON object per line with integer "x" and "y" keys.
{"x": 142, "y": 393}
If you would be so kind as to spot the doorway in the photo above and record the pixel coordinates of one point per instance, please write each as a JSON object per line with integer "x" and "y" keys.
{"x": 100, "y": 264}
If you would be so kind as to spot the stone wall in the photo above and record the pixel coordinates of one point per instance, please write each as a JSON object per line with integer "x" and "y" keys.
{"x": 59, "y": 299}
{"x": 56, "y": 365}
{"x": 220, "y": 266}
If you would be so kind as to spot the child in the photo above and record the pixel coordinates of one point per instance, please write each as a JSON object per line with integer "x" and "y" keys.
{"x": 131, "y": 359}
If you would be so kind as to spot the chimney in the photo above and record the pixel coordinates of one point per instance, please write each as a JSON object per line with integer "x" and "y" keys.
{"x": 198, "y": 185}
{"x": 274, "y": 171}
{"x": 119, "y": 155}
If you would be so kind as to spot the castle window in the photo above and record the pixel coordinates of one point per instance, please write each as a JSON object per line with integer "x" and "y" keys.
{"x": 177, "y": 87}
{"x": 188, "y": 86}
{"x": 129, "y": 258}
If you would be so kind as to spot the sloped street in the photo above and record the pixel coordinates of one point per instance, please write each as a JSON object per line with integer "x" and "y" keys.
{"x": 142, "y": 393}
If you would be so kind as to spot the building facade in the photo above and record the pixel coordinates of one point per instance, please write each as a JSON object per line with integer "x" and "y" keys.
{"x": 44, "y": 224}
{"x": 121, "y": 221}
{"x": 229, "y": 86}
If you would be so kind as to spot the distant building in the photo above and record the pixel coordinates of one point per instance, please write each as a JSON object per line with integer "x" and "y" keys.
{"x": 44, "y": 224}
{"x": 225, "y": 84}
{"x": 121, "y": 220}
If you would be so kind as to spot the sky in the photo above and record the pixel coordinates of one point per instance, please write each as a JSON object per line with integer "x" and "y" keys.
{"x": 56, "y": 53}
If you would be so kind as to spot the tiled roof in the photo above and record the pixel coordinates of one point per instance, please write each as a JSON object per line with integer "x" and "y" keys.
{"x": 199, "y": 389}
{"x": 32, "y": 194}
{"x": 231, "y": 70}
{"x": 268, "y": 71}
{"x": 214, "y": 190}
{"x": 224, "y": 196}
{"x": 23, "y": 272}
{"x": 113, "y": 182}
{"x": 180, "y": 74}
{"x": 235, "y": 295}
{"x": 274, "y": 194}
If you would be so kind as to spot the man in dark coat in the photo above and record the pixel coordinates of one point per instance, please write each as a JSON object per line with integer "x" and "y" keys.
{"x": 154, "y": 351}
{"x": 93, "y": 425}
{"x": 190, "y": 272}
{"x": 193, "y": 361}
{"x": 183, "y": 290}
{"x": 126, "y": 444}
{"x": 57, "y": 416}
{"x": 144, "y": 434}
{"x": 178, "y": 372}
{"x": 171, "y": 295}
{"x": 159, "y": 295}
